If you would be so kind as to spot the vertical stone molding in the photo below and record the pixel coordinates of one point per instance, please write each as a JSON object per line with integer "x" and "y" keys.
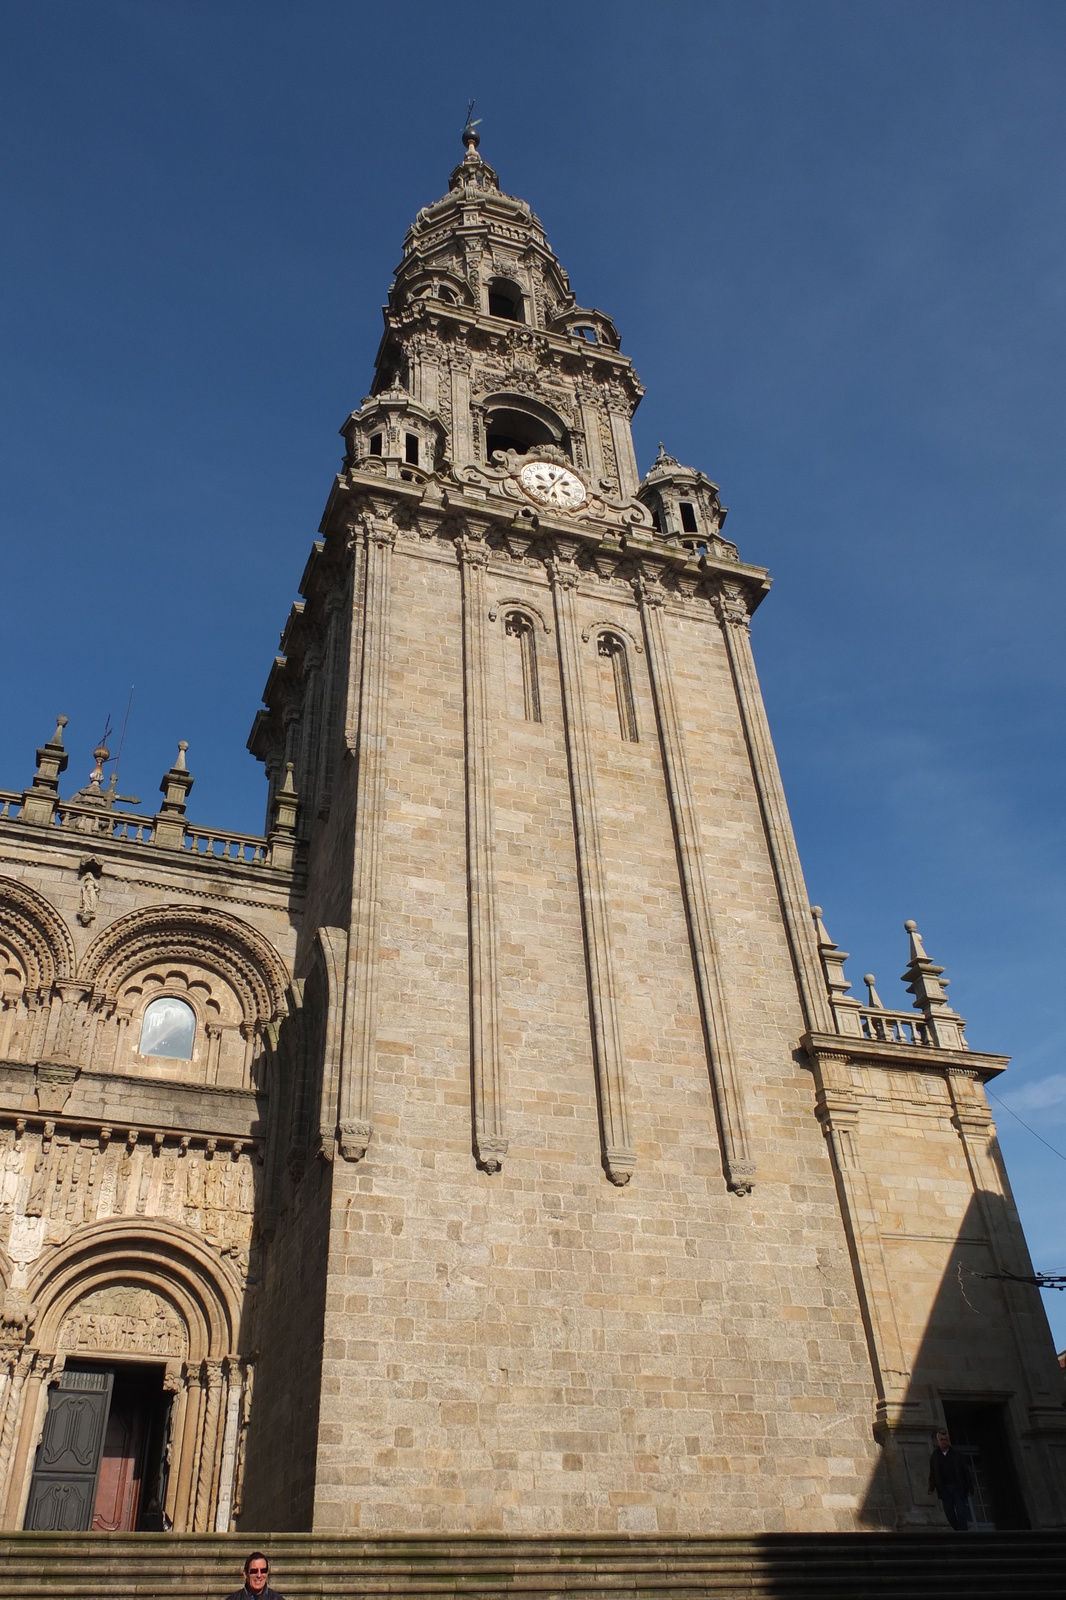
{"x": 227, "y": 1469}
{"x": 19, "y": 1365}
{"x": 490, "y": 1143}
{"x": 619, "y": 1156}
{"x": 360, "y": 999}
{"x": 737, "y": 1162}
{"x": 788, "y": 874}
{"x": 210, "y": 1441}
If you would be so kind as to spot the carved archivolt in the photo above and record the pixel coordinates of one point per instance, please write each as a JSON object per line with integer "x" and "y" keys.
{"x": 519, "y": 603}
{"x": 150, "y": 1272}
{"x": 33, "y": 938}
{"x": 149, "y": 1291}
{"x": 210, "y": 939}
{"x": 610, "y": 625}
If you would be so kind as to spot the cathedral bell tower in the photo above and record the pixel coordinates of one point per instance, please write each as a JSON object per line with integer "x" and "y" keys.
{"x": 567, "y": 1236}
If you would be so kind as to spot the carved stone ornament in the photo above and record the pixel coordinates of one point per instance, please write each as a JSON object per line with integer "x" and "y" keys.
{"x": 90, "y": 871}
{"x": 127, "y": 1319}
{"x": 54, "y": 1082}
{"x": 17, "y": 1313}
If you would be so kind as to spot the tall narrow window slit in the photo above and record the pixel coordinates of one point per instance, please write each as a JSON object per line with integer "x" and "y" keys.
{"x": 613, "y": 649}
{"x": 520, "y": 628}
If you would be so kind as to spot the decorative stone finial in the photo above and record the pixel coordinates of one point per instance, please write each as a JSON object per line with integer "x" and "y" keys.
{"x": 845, "y": 1008}
{"x": 175, "y": 787}
{"x": 874, "y": 999}
{"x": 926, "y": 982}
{"x": 39, "y": 800}
{"x": 282, "y": 836}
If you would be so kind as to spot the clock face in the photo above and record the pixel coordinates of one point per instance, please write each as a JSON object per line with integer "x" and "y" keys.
{"x": 552, "y": 486}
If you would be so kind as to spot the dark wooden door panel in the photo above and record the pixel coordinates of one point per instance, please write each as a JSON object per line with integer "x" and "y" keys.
{"x": 64, "y": 1476}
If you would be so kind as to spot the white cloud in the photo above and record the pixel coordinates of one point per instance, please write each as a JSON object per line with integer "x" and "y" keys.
{"x": 1046, "y": 1094}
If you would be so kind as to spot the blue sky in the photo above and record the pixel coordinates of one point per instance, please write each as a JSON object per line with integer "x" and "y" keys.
{"x": 832, "y": 237}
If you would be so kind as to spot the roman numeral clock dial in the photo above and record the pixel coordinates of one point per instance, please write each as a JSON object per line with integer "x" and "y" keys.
{"x": 552, "y": 486}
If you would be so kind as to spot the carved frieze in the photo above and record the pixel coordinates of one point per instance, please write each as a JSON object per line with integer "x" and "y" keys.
{"x": 52, "y": 1182}
{"x": 124, "y": 1319}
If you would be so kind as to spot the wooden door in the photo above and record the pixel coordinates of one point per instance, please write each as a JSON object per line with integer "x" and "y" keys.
{"x": 63, "y": 1489}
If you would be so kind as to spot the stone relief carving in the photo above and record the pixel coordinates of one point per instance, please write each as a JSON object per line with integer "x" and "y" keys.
{"x": 90, "y": 871}
{"x": 127, "y": 1319}
{"x": 52, "y": 1183}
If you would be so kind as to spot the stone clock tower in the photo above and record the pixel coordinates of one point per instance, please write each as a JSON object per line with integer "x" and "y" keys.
{"x": 589, "y": 1176}
{"x": 505, "y": 1150}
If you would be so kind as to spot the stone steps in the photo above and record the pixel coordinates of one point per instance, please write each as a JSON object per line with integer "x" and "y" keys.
{"x": 45, "y": 1566}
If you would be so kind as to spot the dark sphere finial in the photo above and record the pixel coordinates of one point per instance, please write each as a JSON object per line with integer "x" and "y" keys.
{"x": 471, "y": 137}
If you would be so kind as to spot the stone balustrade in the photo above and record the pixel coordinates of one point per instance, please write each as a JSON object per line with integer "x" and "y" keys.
{"x": 893, "y": 1027}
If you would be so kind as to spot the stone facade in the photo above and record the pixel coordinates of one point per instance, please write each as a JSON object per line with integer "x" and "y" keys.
{"x": 524, "y": 1163}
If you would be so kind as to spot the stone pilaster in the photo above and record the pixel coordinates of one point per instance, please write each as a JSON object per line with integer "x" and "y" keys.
{"x": 490, "y": 1143}
{"x": 737, "y": 1162}
{"x": 784, "y": 856}
{"x": 619, "y": 1155}
{"x": 360, "y": 1000}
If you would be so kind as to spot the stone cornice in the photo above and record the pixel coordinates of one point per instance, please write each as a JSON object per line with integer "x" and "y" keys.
{"x": 123, "y": 1103}
{"x": 487, "y": 494}
{"x": 903, "y": 1057}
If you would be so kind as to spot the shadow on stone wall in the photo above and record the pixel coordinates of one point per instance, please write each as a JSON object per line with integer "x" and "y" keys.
{"x": 985, "y": 1357}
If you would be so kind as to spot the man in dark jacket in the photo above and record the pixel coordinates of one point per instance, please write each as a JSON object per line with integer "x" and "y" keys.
{"x": 950, "y": 1478}
{"x": 256, "y": 1576}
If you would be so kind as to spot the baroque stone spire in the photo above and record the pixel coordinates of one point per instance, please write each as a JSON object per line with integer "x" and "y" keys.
{"x": 486, "y": 349}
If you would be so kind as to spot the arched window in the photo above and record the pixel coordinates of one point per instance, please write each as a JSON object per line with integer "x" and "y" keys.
{"x": 514, "y": 422}
{"x": 523, "y": 665}
{"x": 515, "y": 430}
{"x": 611, "y": 648}
{"x": 505, "y": 300}
{"x": 168, "y": 1029}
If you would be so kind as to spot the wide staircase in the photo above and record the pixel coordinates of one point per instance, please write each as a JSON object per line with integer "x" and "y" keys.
{"x": 847, "y": 1566}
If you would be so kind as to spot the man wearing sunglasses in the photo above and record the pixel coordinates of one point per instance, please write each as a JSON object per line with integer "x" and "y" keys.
{"x": 256, "y": 1576}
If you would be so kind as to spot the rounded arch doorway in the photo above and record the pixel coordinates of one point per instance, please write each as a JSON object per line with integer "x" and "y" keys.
{"x": 133, "y": 1415}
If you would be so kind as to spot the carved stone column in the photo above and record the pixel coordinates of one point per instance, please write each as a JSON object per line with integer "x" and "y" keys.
{"x": 209, "y": 1446}
{"x": 23, "y": 1426}
{"x": 619, "y": 1156}
{"x": 490, "y": 1143}
{"x": 784, "y": 857}
{"x": 737, "y": 1161}
{"x": 228, "y": 1459}
{"x": 361, "y": 982}
{"x": 176, "y": 1384}
{"x": 187, "y": 1438}
{"x": 460, "y": 362}
{"x": 619, "y": 412}
{"x": 19, "y": 1363}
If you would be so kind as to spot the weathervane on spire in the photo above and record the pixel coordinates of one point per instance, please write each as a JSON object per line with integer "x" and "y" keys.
{"x": 471, "y": 137}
